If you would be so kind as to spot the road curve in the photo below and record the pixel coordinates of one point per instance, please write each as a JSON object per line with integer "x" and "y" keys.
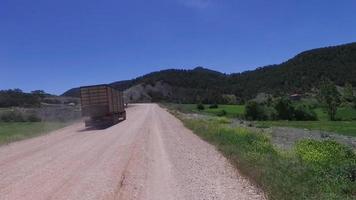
{"x": 150, "y": 156}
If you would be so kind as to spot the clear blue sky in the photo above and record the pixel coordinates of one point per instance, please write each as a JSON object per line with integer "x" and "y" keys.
{"x": 58, "y": 44}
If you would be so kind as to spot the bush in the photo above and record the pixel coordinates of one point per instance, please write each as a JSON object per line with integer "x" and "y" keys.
{"x": 323, "y": 153}
{"x": 270, "y": 113}
{"x": 51, "y": 101}
{"x": 200, "y": 106}
{"x": 331, "y": 159}
{"x": 213, "y": 106}
{"x": 33, "y": 118}
{"x": 12, "y": 116}
{"x": 256, "y": 111}
{"x": 252, "y": 110}
{"x": 304, "y": 113}
{"x": 284, "y": 109}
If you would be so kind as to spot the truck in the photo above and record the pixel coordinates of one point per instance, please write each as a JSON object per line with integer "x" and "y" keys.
{"x": 102, "y": 105}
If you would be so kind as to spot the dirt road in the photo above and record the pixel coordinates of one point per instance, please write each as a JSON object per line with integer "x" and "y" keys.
{"x": 149, "y": 156}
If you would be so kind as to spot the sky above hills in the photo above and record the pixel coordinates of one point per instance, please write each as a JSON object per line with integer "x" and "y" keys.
{"x": 57, "y": 45}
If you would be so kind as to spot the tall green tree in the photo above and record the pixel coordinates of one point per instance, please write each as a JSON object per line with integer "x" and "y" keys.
{"x": 284, "y": 108}
{"x": 330, "y": 97}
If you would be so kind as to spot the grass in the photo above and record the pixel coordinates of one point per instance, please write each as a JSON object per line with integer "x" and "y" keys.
{"x": 342, "y": 127}
{"x": 14, "y": 131}
{"x": 346, "y": 127}
{"x": 231, "y": 110}
{"x": 343, "y": 114}
{"x": 311, "y": 171}
{"x": 346, "y": 113}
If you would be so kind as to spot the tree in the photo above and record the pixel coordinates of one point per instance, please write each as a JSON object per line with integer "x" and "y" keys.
{"x": 252, "y": 110}
{"x": 348, "y": 94}
{"x": 330, "y": 97}
{"x": 200, "y": 106}
{"x": 40, "y": 93}
{"x": 256, "y": 111}
{"x": 229, "y": 98}
{"x": 284, "y": 108}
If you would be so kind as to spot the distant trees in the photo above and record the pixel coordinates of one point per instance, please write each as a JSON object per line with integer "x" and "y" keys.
{"x": 330, "y": 97}
{"x": 39, "y": 93}
{"x": 298, "y": 75}
{"x": 17, "y": 97}
{"x": 229, "y": 98}
{"x": 279, "y": 109}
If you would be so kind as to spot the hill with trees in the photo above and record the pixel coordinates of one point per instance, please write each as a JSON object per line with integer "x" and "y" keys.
{"x": 300, "y": 74}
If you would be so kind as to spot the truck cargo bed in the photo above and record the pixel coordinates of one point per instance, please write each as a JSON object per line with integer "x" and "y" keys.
{"x": 102, "y": 104}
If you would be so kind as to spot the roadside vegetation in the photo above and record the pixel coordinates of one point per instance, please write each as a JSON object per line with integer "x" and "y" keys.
{"x": 14, "y": 131}
{"x": 310, "y": 170}
{"x": 26, "y": 115}
{"x": 232, "y": 111}
{"x": 346, "y": 123}
{"x": 329, "y": 110}
{"x": 342, "y": 127}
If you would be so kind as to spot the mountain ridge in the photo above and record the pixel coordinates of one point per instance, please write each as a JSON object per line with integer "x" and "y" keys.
{"x": 301, "y": 73}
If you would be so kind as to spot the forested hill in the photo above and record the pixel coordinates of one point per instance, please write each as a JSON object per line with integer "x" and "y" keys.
{"x": 299, "y": 74}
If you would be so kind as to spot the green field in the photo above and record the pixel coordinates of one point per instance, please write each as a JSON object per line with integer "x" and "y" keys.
{"x": 343, "y": 113}
{"x": 231, "y": 110}
{"x": 341, "y": 127}
{"x": 346, "y": 125}
{"x": 14, "y": 131}
{"x": 346, "y": 115}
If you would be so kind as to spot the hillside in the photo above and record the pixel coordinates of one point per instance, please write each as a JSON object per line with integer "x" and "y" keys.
{"x": 299, "y": 74}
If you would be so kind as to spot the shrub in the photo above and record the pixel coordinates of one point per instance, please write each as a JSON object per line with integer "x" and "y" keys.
{"x": 212, "y": 106}
{"x": 305, "y": 113}
{"x": 284, "y": 108}
{"x": 33, "y": 118}
{"x": 270, "y": 113}
{"x": 51, "y": 101}
{"x": 252, "y": 110}
{"x": 256, "y": 111}
{"x": 200, "y": 106}
{"x": 12, "y": 116}
{"x": 223, "y": 120}
{"x": 323, "y": 153}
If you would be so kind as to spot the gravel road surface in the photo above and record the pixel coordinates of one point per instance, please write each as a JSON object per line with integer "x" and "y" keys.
{"x": 149, "y": 156}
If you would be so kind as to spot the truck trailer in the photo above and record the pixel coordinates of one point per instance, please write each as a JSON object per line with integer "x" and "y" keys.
{"x": 102, "y": 105}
